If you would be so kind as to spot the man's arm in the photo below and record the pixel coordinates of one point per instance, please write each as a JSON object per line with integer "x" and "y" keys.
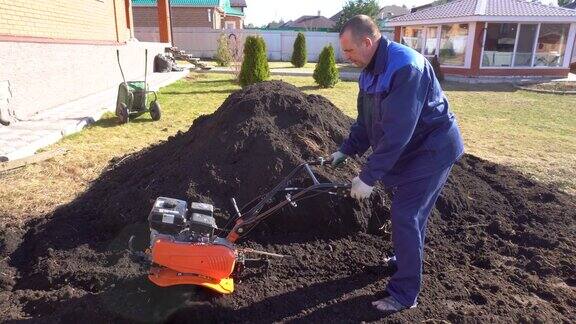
{"x": 357, "y": 142}
{"x": 400, "y": 111}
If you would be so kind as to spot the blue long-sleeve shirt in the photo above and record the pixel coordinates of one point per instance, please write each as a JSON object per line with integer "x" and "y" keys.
{"x": 404, "y": 116}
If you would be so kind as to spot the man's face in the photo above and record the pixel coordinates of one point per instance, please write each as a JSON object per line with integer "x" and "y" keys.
{"x": 357, "y": 51}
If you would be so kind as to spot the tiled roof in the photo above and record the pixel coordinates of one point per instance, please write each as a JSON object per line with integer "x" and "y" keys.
{"x": 521, "y": 8}
{"x": 393, "y": 11}
{"x": 508, "y": 8}
{"x": 310, "y": 22}
{"x": 336, "y": 17}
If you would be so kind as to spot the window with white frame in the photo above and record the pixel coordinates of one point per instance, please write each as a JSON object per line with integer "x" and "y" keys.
{"x": 551, "y": 45}
{"x": 413, "y": 37}
{"x": 453, "y": 40}
{"x": 448, "y": 42}
{"x": 230, "y": 24}
{"x": 431, "y": 45}
{"x": 499, "y": 44}
{"x": 524, "y": 45}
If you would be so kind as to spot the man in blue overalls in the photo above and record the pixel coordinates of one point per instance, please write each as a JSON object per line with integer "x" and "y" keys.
{"x": 404, "y": 117}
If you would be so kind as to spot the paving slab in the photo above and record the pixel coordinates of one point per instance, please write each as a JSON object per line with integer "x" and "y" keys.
{"x": 23, "y": 138}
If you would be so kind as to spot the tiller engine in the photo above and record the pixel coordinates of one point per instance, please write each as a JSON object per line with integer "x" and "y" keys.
{"x": 185, "y": 249}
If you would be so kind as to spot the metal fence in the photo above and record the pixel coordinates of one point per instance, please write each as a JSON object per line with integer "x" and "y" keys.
{"x": 202, "y": 42}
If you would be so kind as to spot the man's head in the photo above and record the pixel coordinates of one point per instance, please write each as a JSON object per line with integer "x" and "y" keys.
{"x": 359, "y": 39}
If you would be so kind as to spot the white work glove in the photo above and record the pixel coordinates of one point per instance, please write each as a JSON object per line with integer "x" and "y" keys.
{"x": 338, "y": 158}
{"x": 359, "y": 189}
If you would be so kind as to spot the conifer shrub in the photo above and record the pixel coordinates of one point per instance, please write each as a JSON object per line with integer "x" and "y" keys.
{"x": 326, "y": 73}
{"x": 255, "y": 64}
{"x": 299, "y": 53}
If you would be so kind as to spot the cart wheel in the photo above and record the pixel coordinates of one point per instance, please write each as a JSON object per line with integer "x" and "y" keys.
{"x": 155, "y": 110}
{"x": 122, "y": 113}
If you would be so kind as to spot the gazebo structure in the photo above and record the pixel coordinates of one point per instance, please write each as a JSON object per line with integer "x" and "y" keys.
{"x": 490, "y": 38}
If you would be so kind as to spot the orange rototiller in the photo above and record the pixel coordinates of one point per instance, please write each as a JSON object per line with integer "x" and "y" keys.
{"x": 184, "y": 248}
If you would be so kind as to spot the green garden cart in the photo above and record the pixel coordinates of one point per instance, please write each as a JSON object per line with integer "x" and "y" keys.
{"x": 133, "y": 96}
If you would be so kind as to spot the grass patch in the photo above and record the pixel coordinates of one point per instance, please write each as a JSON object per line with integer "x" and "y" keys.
{"x": 535, "y": 133}
{"x": 310, "y": 66}
{"x": 562, "y": 86}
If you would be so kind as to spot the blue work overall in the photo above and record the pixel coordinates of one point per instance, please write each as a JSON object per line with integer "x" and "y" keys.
{"x": 404, "y": 116}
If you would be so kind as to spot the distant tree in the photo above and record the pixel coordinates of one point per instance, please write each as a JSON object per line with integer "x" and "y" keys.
{"x": 299, "y": 55}
{"x": 326, "y": 73}
{"x": 562, "y": 3}
{"x": 223, "y": 53}
{"x": 255, "y": 65}
{"x": 358, "y": 7}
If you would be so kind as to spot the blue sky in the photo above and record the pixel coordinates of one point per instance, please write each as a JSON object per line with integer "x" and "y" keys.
{"x": 260, "y": 12}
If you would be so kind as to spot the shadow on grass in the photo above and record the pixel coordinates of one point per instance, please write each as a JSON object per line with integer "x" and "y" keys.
{"x": 309, "y": 88}
{"x": 478, "y": 87}
{"x": 228, "y": 91}
{"x": 230, "y": 81}
{"x": 112, "y": 121}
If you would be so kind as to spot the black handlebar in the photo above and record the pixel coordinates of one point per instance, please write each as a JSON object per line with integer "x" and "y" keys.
{"x": 246, "y": 221}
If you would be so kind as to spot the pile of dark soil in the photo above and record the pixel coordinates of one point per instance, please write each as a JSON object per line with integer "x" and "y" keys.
{"x": 500, "y": 246}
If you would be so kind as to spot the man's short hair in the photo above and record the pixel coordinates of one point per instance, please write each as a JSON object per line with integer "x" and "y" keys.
{"x": 361, "y": 26}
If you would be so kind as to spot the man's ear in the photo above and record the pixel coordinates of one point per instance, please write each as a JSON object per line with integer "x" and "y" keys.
{"x": 368, "y": 42}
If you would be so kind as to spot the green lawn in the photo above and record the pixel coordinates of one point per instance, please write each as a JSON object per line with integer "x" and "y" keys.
{"x": 343, "y": 67}
{"x": 535, "y": 133}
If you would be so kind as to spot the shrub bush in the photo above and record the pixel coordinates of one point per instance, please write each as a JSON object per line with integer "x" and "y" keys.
{"x": 223, "y": 55}
{"x": 326, "y": 73}
{"x": 255, "y": 64}
{"x": 299, "y": 53}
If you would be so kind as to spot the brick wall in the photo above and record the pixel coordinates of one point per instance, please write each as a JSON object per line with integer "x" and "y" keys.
{"x": 181, "y": 17}
{"x": 90, "y": 20}
{"x": 54, "y": 74}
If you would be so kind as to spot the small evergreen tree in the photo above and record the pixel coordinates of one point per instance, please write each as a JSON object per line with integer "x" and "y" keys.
{"x": 299, "y": 53}
{"x": 326, "y": 73}
{"x": 255, "y": 64}
{"x": 223, "y": 53}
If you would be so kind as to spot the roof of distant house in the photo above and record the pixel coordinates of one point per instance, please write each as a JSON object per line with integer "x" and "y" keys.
{"x": 224, "y": 4}
{"x": 483, "y": 8}
{"x": 310, "y": 22}
{"x": 386, "y": 11}
{"x": 392, "y": 11}
{"x": 274, "y": 25}
{"x": 571, "y": 5}
{"x": 336, "y": 17}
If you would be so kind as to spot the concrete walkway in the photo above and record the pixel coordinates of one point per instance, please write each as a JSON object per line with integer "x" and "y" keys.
{"x": 23, "y": 138}
{"x": 354, "y": 76}
{"x": 346, "y": 76}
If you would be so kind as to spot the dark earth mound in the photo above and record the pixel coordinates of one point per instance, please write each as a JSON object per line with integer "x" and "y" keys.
{"x": 500, "y": 247}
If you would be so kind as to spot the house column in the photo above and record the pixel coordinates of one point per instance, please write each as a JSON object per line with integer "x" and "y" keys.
{"x": 477, "y": 49}
{"x": 164, "y": 21}
{"x": 397, "y": 31}
{"x": 129, "y": 17}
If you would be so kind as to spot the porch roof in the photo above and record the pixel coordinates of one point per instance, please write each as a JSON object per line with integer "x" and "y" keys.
{"x": 486, "y": 10}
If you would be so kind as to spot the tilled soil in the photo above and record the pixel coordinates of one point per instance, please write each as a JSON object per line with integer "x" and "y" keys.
{"x": 500, "y": 247}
